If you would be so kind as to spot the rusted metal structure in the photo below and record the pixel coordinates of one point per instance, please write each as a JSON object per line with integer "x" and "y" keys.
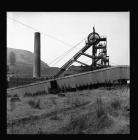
{"x": 37, "y": 56}
{"x": 99, "y": 53}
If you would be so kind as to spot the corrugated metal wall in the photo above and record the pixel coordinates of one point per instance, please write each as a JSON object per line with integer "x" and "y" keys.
{"x": 73, "y": 81}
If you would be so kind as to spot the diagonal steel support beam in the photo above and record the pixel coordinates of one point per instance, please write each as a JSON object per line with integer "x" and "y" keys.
{"x": 75, "y": 57}
{"x": 87, "y": 55}
{"x": 96, "y": 60}
{"x": 81, "y": 63}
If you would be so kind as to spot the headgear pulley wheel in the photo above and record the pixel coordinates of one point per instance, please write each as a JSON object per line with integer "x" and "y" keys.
{"x": 93, "y": 38}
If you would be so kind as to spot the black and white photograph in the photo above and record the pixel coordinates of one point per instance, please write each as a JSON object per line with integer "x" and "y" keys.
{"x": 68, "y": 72}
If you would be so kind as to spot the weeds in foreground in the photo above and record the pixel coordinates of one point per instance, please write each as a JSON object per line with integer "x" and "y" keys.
{"x": 55, "y": 117}
{"x": 40, "y": 131}
{"x": 100, "y": 110}
{"x": 38, "y": 93}
{"x": 102, "y": 116}
{"x": 74, "y": 101}
{"x": 96, "y": 120}
{"x": 34, "y": 104}
{"x": 15, "y": 98}
{"x": 116, "y": 104}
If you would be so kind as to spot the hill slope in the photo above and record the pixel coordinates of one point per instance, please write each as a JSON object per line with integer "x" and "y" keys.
{"x": 24, "y": 62}
{"x": 24, "y": 65}
{"x": 23, "y": 56}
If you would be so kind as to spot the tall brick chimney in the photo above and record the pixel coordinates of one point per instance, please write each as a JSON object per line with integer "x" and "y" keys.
{"x": 37, "y": 58}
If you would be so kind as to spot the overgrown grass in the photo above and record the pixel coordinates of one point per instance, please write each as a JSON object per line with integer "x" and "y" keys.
{"x": 15, "y": 98}
{"x": 116, "y": 104}
{"x": 100, "y": 110}
{"x": 55, "y": 117}
{"x": 38, "y": 93}
{"x": 97, "y": 120}
{"x": 34, "y": 104}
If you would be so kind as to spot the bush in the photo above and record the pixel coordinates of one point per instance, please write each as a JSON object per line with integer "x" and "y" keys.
{"x": 103, "y": 122}
{"x": 78, "y": 125}
{"x": 34, "y": 104}
{"x": 38, "y": 93}
{"x": 100, "y": 111}
{"x": 15, "y": 98}
{"x": 55, "y": 117}
{"x": 76, "y": 103}
{"x": 116, "y": 104}
{"x": 40, "y": 131}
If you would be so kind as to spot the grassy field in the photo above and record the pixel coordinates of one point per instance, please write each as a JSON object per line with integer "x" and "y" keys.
{"x": 98, "y": 111}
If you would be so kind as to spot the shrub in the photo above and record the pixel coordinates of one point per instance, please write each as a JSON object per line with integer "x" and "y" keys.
{"x": 116, "y": 104}
{"x": 38, "y": 93}
{"x": 76, "y": 103}
{"x": 55, "y": 117}
{"x": 100, "y": 111}
{"x": 40, "y": 131}
{"x": 78, "y": 125}
{"x": 15, "y": 98}
{"x": 103, "y": 122}
{"x": 34, "y": 104}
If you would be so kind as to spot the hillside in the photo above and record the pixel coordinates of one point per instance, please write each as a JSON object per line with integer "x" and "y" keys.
{"x": 23, "y": 56}
{"x": 24, "y": 65}
{"x": 24, "y": 62}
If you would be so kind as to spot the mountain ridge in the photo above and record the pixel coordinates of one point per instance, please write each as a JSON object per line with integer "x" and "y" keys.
{"x": 24, "y": 64}
{"x": 23, "y": 56}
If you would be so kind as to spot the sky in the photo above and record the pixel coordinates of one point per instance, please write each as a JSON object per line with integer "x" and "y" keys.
{"x": 60, "y": 31}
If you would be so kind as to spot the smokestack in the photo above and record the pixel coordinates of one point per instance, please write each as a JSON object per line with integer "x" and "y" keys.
{"x": 37, "y": 59}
